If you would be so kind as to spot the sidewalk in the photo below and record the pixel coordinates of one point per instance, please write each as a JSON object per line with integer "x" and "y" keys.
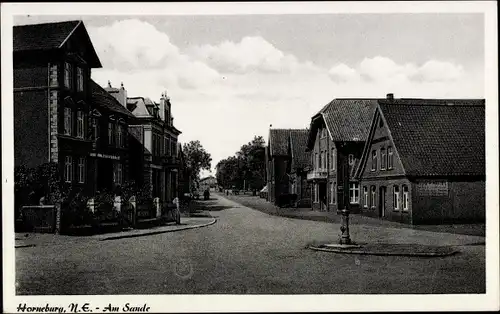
{"x": 263, "y": 205}
{"x": 42, "y": 239}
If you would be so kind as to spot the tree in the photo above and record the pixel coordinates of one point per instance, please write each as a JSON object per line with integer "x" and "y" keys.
{"x": 246, "y": 169}
{"x": 197, "y": 159}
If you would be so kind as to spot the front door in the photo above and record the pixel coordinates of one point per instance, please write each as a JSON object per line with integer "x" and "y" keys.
{"x": 382, "y": 197}
{"x": 322, "y": 196}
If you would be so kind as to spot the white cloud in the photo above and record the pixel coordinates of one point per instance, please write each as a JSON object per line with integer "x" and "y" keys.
{"x": 224, "y": 94}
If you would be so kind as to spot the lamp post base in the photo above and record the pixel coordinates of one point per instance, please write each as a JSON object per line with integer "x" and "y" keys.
{"x": 345, "y": 238}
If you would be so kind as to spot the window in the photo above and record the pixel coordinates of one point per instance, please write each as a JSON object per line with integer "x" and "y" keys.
{"x": 405, "y": 198}
{"x": 118, "y": 173}
{"x": 383, "y": 159}
{"x": 351, "y": 159}
{"x": 333, "y": 159}
{"x": 81, "y": 169}
{"x": 374, "y": 197}
{"x": 354, "y": 193}
{"x": 68, "y": 75}
{"x": 390, "y": 159}
{"x": 333, "y": 192}
{"x": 119, "y": 136}
{"x": 80, "y": 124}
{"x": 168, "y": 146}
{"x": 396, "y": 198}
{"x": 317, "y": 161}
{"x": 365, "y": 197}
{"x": 79, "y": 79}
{"x": 374, "y": 160}
{"x": 110, "y": 133}
{"x": 68, "y": 169}
{"x": 67, "y": 121}
{"x": 316, "y": 193}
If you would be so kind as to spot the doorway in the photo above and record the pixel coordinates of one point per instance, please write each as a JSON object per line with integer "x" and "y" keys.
{"x": 382, "y": 200}
{"x": 322, "y": 197}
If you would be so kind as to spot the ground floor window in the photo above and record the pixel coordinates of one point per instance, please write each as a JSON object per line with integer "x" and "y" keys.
{"x": 81, "y": 169}
{"x": 68, "y": 169}
{"x": 333, "y": 192}
{"x": 118, "y": 173}
{"x": 365, "y": 196}
{"x": 316, "y": 193}
{"x": 354, "y": 193}
{"x": 374, "y": 197}
{"x": 405, "y": 197}
{"x": 396, "y": 197}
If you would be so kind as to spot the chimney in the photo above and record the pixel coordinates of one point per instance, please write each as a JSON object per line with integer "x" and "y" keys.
{"x": 163, "y": 105}
{"x": 390, "y": 96}
{"x": 119, "y": 94}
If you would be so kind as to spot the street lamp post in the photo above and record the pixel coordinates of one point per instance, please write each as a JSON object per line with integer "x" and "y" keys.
{"x": 344, "y": 228}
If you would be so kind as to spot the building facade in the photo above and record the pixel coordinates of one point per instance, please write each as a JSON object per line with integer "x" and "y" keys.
{"x": 154, "y": 159}
{"x": 336, "y": 141}
{"x": 53, "y": 98}
{"x": 208, "y": 183}
{"x": 424, "y": 161}
{"x": 299, "y": 167}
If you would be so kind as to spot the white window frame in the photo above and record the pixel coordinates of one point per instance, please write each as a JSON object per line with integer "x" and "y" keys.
{"x": 395, "y": 197}
{"x": 68, "y": 169}
{"x": 119, "y": 135}
{"x": 316, "y": 193}
{"x": 383, "y": 158}
{"x": 365, "y": 196}
{"x": 81, "y": 169}
{"x": 351, "y": 159}
{"x": 390, "y": 157}
{"x": 354, "y": 187}
{"x": 79, "y": 79}
{"x": 333, "y": 159}
{"x": 110, "y": 133}
{"x": 68, "y": 75}
{"x": 373, "y": 191}
{"x": 374, "y": 160}
{"x": 405, "y": 198}
{"x": 68, "y": 115}
{"x": 80, "y": 125}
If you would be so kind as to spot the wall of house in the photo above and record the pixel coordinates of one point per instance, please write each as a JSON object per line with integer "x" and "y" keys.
{"x": 281, "y": 180}
{"x": 391, "y": 213}
{"x": 442, "y": 201}
{"x": 31, "y": 128}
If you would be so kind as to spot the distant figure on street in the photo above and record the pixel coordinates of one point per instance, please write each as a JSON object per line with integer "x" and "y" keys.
{"x": 177, "y": 213}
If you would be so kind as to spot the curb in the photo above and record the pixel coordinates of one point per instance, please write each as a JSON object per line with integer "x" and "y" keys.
{"x": 158, "y": 232}
{"x": 362, "y": 252}
{"x": 24, "y": 245}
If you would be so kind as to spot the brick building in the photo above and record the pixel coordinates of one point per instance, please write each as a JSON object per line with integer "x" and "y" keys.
{"x": 336, "y": 140}
{"x": 53, "y": 98}
{"x": 285, "y": 164}
{"x": 424, "y": 161}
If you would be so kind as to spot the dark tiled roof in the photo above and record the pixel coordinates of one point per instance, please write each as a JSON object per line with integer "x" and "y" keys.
{"x": 102, "y": 99}
{"x": 298, "y": 139}
{"x": 349, "y": 119}
{"x": 433, "y": 139}
{"x": 278, "y": 141}
{"x": 42, "y": 36}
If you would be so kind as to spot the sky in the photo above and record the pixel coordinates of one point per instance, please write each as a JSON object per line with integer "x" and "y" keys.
{"x": 230, "y": 77}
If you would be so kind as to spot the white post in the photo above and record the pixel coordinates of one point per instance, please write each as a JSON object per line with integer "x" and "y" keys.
{"x": 156, "y": 204}
{"x": 91, "y": 205}
{"x": 118, "y": 203}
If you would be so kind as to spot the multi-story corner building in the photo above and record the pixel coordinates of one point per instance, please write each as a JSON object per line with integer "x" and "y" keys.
{"x": 336, "y": 140}
{"x": 53, "y": 98}
{"x": 154, "y": 160}
{"x": 109, "y": 159}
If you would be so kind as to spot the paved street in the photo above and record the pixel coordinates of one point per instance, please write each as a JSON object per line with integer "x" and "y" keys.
{"x": 247, "y": 251}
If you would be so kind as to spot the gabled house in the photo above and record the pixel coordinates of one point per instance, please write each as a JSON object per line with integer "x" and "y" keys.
{"x": 277, "y": 163}
{"x": 108, "y": 122}
{"x": 208, "y": 183}
{"x": 299, "y": 167}
{"x": 286, "y": 163}
{"x": 336, "y": 140}
{"x": 52, "y": 98}
{"x": 424, "y": 161}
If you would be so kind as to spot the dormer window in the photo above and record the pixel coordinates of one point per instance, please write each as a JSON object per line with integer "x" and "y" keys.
{"x": 374, "y": 160}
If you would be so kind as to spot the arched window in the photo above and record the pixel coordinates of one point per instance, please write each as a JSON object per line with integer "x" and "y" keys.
{"x": 405, "y": 198}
